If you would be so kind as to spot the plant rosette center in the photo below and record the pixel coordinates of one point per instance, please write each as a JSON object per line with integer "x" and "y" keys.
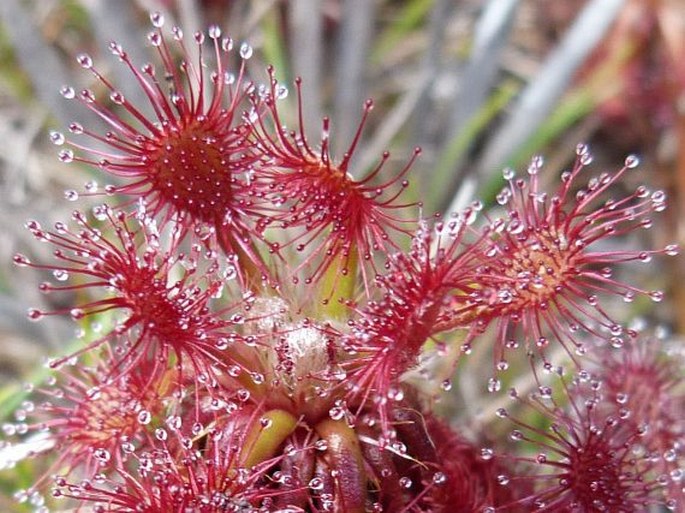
{"x": 189, "y": 168}
{"x": 538, "y": 267}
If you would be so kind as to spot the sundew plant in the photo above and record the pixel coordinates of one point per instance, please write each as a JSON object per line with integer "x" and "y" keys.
{"x": 266, "y": 327}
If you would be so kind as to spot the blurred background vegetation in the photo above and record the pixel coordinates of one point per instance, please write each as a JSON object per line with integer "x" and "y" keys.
{"x": 478, "y": 84}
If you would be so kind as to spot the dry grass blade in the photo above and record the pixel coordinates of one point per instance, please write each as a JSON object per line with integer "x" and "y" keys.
{"x": 541, "y": 95}
{"x": 306, "y": 52}
{"x": 394, "y": 121}
{"x": 354, "y": 40}
{"x": 431, "y": 66}
{"x": 476, "y": 80}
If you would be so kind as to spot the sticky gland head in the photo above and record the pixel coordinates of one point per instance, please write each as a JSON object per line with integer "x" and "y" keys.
{"x": 590, "y": 459}
{"x": 543, "y": 267}
{"x": 188, "y": 160}
{"x": 167, "y": 316}
{"x": 339, "y": 219}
